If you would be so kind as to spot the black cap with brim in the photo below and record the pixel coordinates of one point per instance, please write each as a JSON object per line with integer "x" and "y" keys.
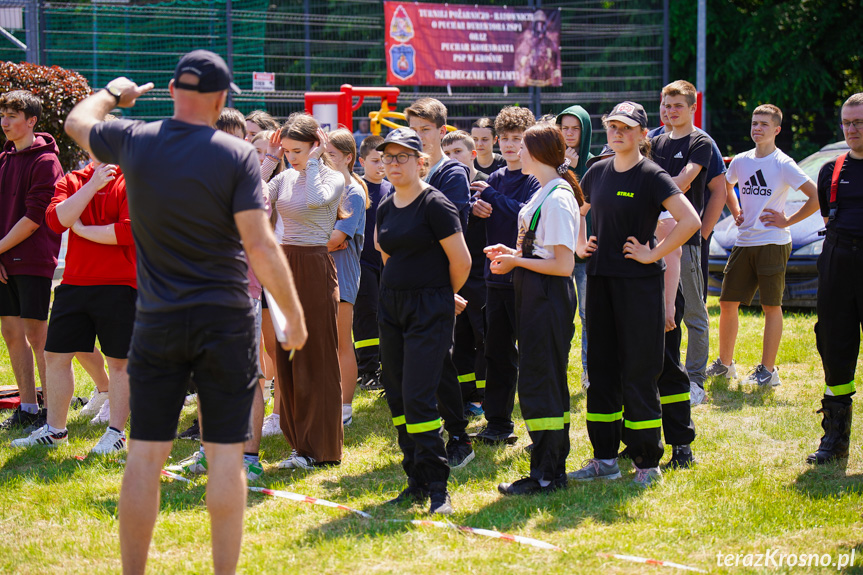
{"x": 606, "y": 152}
{"x": 403, "y": 137}
{"x": 210, "y": 70}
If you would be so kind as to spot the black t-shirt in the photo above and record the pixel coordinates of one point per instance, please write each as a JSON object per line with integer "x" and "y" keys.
{"x": 184, "y": 183}
{"x": 411, "y": 237}
{"x": 849, "y": 195}
{"x": 370, "y": 256}
{"x": 497, "y": 163}
{"x": 673, "y": 155}
{"x": 625, "y": 204}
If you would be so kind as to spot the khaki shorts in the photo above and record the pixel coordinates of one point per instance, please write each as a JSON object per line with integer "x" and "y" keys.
{"x": 756, "y": 267}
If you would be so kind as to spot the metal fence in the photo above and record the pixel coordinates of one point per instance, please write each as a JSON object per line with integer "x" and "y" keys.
{"x": 611, "y": 50}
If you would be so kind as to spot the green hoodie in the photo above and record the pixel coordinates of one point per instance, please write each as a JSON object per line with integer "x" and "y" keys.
{"x": 586, "y": 131}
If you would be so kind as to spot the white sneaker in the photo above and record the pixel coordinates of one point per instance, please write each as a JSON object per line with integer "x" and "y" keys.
{"x": 42, "y": 437}
{"x": 111, "y": 442}
{"x": 297, "y": 461}
{"x": 104, "y": 414}
{"x": 94, "y": 404}
{"x": 760, "y": 376}
{"x": 719, "y": 369}
{"x": 190, "y": 399}
{"x": 271, "y": 426}
{"x": 585, "y": 381}
{"x": 696, "y": 394}
{"x": 195, "y": 463}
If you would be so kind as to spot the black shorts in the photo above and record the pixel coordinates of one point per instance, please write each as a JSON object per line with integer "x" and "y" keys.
{"x": 27, "y": 297}
{"x": 80, "y": 314}
{"x": 214, "y": 346}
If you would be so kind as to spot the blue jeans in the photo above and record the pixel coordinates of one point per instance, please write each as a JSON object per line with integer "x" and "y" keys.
{"x": 579, "y": 276}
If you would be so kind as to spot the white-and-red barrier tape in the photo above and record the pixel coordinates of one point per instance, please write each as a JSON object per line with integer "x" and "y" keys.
{"x": 646, "y": 561}
{"x": 477, "y": 531}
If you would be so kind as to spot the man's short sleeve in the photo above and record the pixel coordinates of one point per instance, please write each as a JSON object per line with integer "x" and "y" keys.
{"x": 442, "y": 217}
{"x": 108, "y": 138}
{"x": 247, "y": 192}
{"x": 717, "y": 166}
{"x": 825, "y": 178}
{"x": 663, "y": 187}
{"x": 794, "y": 176}
{"x": 700, "y": 151}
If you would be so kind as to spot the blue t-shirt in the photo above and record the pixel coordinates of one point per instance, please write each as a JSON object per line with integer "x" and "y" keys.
{"x": 184, "y": 183}
{"x": 348, "y": 260}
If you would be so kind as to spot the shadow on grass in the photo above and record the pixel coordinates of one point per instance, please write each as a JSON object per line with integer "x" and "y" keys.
{"x": 733, "y": 396}
{"x": 829, "y": 481}
{"x": 858, "y": 553}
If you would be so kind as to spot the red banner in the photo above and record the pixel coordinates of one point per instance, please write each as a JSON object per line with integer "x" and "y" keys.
{"x": 447, "y": 44}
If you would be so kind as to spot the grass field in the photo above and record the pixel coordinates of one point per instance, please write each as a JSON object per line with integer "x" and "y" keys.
{"x": 752, "y": 492}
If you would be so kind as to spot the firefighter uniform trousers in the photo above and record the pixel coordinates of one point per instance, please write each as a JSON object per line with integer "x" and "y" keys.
{"x": 840, "y": 313}
{"x": 673, "y": 388}
{"x": 416, "y": 328}
{"x": 545, "y": 307}
{"x": 469, "y": 350}
{"x": 501, "y": 357}
{"x": 449, "y": 400}
{"x": 625, "y": 328}
{"x": 365, "y": 323}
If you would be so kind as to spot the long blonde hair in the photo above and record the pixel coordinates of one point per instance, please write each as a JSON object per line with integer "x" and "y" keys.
{"x": 344, "y": 142}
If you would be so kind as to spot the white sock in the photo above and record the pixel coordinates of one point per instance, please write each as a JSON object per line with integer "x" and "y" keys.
{"x": 608, "y": 461}
{"x": 347, "y": 410}
{"x": 30, "y": 408}
{"x": 56, "y": 430}
{"x": 275, "y": 416}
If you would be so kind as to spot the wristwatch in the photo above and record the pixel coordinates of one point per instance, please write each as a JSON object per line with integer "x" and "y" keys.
{"x": 116, "y": 93}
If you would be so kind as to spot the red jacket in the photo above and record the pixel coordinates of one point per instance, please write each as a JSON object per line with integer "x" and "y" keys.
{"x": 89, "y": 263}
{"x": 27, "y": 181}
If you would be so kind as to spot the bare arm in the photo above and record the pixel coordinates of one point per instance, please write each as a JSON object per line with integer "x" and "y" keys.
{"x": 732, "y": 202}
{"x": 384, "y": 255}
{"x": 778, "y": 219}
{"x": 22, "y": 230}
{"x": 459, "y": 259}
{"x": 686, "y": 176}
{"x": 98, "y": 234}
{"x": 714, "y": 205}
{"x": 93, "y": 109}
{"x": 687, "y": 224}
{"x": 271, "y": 268}
{"x": 560, "y": 265}
{"x": 337, "y": 240}
{"x": 672, "y": 272}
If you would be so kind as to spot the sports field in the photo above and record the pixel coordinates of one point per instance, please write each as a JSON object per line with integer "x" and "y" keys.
{"x": 752, "y": 493}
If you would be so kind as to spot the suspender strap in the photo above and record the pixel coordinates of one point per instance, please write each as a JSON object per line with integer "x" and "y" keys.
{"x": 534, "y": 222}
{"x": 834, "y": 181}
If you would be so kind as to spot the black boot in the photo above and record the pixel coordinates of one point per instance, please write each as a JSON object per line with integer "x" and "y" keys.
{"x": 413, "y": 493}
{"x": 837, "y": 432}
{"x": 440, "y": 502}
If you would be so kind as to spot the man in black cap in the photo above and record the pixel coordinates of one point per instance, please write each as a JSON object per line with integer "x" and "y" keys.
{"x": 196, "y": 205}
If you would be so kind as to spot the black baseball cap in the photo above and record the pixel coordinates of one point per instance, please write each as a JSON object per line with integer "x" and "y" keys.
{"x": 629, "y": 113}
{"x": 403, "y": 137}
{"x": 212, "y": 73}
{"x": 606, "y": 152}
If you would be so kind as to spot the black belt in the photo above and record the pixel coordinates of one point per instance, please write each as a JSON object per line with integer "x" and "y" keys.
{"x": 844, "y": 240}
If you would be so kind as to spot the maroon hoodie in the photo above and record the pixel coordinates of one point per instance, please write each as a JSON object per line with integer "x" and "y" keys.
{"x": 27, "y": 181}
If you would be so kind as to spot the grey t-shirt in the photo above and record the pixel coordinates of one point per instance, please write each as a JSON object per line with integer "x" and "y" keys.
{"x": 184, "y": 184}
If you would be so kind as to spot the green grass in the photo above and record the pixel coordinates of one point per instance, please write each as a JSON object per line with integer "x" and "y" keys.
{"x": 751, "y": 492}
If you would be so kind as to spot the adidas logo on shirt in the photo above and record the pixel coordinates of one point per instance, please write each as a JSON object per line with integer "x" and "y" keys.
{"x": 756, "y": 186}
{"x": 678, "y": 156}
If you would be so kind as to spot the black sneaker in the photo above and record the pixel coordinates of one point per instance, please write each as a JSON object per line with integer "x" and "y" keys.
{"x": 370, "y": 381}
{"x": 40, "y": 421}
{"x": 459, "y": 451}
{"x": 529, "y": 485}
{"x": 412, "y": 494}
{"x": 18, "y": 419}
{"x": 491, "y": 437}
{"x": 193, "y": 432}
{"x": 681, "y": 458}
{"x": 440, "y": 501}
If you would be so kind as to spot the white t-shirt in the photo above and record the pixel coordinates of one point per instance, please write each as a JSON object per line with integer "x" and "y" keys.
{"x": 764, "y": 183}
{"x": 558, "y": 221}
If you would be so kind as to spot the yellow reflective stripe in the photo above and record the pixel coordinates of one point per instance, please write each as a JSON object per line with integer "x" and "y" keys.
{"x": 366, "y": 343}
{"x": 468, "y": 377}
{"x": 400, "y": 420}
{"x": 480, "y": 384}
{"x": 674, "y": 398}
{"x": 566, "y": 417}
{"x": 544, "y": 424}
{"x": 648, "y": 424}
{"x": 605, "y": 417}
{"x": 840, "y": 389}
{"x": 424, "y": 426}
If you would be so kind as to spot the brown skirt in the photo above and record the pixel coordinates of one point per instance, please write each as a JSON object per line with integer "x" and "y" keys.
{"x": 311, "y": 417}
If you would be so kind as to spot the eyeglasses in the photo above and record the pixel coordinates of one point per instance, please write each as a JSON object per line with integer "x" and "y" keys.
{"x": 858, "y": 125}
{"x": 400, "y": 158}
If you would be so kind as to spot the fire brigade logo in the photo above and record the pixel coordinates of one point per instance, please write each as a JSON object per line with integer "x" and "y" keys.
{"x": 401, "y": 27}
{"x": 626, "y": 108}
{"x": 403, "y": 61}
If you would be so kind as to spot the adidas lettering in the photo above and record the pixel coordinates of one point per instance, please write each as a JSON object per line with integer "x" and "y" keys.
{"x": 756, "y": 186}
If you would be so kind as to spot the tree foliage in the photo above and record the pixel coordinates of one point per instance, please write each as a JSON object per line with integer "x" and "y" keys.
{"x": 802, "y": 56}
{"x": 59, "y": 90}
